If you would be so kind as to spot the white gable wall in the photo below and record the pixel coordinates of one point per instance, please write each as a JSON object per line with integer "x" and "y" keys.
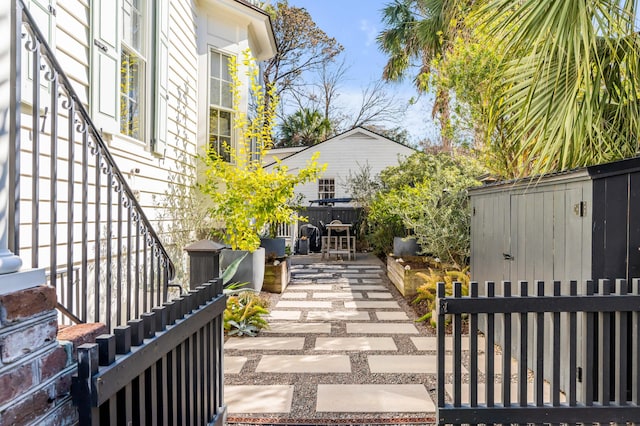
{"x": 346, "y": 153}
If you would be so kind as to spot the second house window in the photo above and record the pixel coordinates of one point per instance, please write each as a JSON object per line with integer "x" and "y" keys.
{"x": 220, "y": 104}
{"x": 132, "y": 70}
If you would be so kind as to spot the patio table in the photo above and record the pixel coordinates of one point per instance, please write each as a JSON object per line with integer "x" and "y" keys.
{"x": 337, "y": 249}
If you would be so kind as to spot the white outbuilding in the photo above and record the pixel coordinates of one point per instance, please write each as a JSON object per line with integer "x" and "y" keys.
{"x": 344, "y": 154}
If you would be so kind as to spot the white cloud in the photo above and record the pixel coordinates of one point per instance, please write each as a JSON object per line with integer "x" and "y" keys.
{"x": 370, "y": 31}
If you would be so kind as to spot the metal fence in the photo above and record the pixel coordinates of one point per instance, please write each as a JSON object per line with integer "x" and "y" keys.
{"x": 71, "y": 209}
{"x": 165, "y": 368}
{"x": 603, "y": 363}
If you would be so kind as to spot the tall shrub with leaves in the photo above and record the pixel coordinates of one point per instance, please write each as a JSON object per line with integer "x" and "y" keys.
{"x": 244, "y": 195}
{"x": 426, "y": 196}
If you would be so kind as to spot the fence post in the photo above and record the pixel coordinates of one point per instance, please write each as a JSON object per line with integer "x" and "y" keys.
{"x": 82, "y": 390}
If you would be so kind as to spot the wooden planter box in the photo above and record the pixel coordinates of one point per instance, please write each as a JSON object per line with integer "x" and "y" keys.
{"x": 405, "y": 280}
{"x": 276, "y": 277}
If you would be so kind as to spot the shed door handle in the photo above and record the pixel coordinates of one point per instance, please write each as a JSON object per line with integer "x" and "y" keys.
{"x": 507, "y": 256}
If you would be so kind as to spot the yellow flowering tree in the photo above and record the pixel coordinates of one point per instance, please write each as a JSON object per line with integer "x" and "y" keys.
{"x": 245, "y": 196}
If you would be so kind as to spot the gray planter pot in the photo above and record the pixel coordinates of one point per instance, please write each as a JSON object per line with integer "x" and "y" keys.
{"x": 405, "y": 246}
{"x": 273, "y": 247}
{"x": 251, "y": 269}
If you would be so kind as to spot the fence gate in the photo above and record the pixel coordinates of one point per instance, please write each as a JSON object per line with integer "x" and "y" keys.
{"x": 163, "y": 369}
{"x": 594, "y": 334}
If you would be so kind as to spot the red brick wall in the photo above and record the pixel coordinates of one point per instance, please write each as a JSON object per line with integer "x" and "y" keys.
{"x": 35, "y": 368}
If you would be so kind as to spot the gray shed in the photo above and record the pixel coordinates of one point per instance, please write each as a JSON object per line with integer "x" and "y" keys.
{"x": 576, "y": 225}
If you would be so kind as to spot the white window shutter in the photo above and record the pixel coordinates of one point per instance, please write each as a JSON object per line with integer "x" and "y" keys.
{"x": 105, "y": 65}
{"x": 44, "y": 13}
{"x": 160, "y": 133}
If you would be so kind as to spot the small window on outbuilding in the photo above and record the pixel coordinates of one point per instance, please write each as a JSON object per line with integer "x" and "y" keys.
{"x": 326, "y": 188}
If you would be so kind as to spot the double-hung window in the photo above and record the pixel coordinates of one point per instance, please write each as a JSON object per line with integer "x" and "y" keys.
{"x": 129, "y": 78}
{"x": 220, "y": 105}
{"x": 133, "y": 66}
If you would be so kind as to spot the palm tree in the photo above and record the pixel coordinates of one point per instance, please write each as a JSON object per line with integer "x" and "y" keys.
{"x": 570, "y": 79}
{"x": 421, "y": 30}
{"x": 304, "y": 127}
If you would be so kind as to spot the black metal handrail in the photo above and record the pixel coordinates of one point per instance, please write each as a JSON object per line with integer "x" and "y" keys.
{"x": 124, "y": 268}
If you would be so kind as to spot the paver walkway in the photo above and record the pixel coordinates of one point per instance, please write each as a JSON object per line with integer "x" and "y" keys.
{"x": 343, "y": 348}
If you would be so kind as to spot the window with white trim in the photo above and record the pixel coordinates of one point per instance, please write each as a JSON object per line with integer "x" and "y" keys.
{"x": 129, "y": 78}
{"x": 133, "y": 70}
{"x": 220, "y": 104}
{"x": 326, "y": 188}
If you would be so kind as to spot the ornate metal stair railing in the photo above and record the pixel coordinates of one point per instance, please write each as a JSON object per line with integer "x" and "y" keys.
{"x": 72, "y": 211}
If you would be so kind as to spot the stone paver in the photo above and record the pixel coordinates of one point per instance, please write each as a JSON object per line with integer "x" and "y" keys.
{"x": 265, "y": 343}
{"x": 366, "y": 304}
{"x": 374, "y": 295}
{"x": 234, "y": 364}
{"x": 416, "y": 364}
{"x": 341, "y": 295}
{"x": 291, "y": 295}
{"x": 374, "y": 398}
{"x": 303, "y": 304}
{"x": 258, "y": 399}
{"x": 366, "y": 287}
{"x": 314, "y": 287}
{"x": 430, "y": 343}
{"x": 299, "y": 327}
{"x": 304, "y": 364}
{"x": 382, "y": 328}
{"x": 338, "y": 316}
{"x": 392, "y": 316}
{"x": 284, "y": 315}
{"x": 355, "y": 344}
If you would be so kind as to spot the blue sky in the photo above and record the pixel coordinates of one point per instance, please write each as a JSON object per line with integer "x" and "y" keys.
{"x": 355, "y": 24}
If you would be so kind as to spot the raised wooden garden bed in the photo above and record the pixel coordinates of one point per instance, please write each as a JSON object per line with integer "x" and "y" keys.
{"x": 276, "y": 277}
{"x": 405, "y": 280}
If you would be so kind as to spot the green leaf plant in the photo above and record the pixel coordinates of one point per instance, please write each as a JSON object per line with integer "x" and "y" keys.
{"x": 245, "y": 197}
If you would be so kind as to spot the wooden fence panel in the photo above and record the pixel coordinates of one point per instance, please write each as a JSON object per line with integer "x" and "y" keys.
{"x": 604, "y": 390}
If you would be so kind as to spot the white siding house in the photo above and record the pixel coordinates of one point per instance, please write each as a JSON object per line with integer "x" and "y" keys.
{"x": 152, "y": 76}
{"x": 344, "y": 154}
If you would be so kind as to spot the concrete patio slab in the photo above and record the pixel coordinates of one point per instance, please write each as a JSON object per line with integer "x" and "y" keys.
{"x": 341, "y": 295}
{"x": 366, "y": 287}
{"x": 416, "y": 364}
{"x": 234, "y": 364}
{"x": 392, "y": 316}
{"x": 258, "y": 399}
{"x": 304, "y": 364}
{"x": 367, "y": 398}
{"x": 338, "y": 316}
{"x": 292, "y": 295}
{"x": 430, "y": 343}
{"x": 313, "y": 287}
{"x": 299, "y": 328}
{"x": 355, "y": 344}
{"x": 284, "y": 315}
{"x": 381, "y": 328}
{"x": 309, "y": 304}
{"x": 376, "y": 295}
{"x": 265, "y": 343}
{"x": 366, "y": 304}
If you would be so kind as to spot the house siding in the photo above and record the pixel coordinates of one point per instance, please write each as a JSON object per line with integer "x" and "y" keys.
{"x": 160, "y": 180}
{"x": 345, "y": 154}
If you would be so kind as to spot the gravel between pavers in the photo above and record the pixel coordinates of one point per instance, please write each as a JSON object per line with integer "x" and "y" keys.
{"x": 305, "y": 391}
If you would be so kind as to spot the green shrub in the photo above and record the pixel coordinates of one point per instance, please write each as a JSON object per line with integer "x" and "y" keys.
{"x": 428, "y": 291}
{"x": 244, "y": 314}
{"x": 426, "y": 196}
